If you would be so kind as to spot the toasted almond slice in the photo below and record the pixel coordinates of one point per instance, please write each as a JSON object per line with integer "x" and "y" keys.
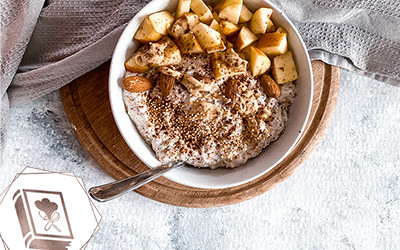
{"x": 137, "y": 84}
{"x": 171, "y": 71}
{"x": 204, "y": 110}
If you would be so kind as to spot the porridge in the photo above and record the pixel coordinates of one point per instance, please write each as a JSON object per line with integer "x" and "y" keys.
{"x": 207, "y": 97}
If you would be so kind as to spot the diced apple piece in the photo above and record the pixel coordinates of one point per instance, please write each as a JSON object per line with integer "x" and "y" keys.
{"x": 284, "y": 68}
{"x": 227, "y": 63}
{"x": 132, "y": 66}
{"x": 188, "y": 44}
{"x": 247, "y": 50}
{"x": 270, "y": 26}
{"x": 207, "y": 36}
{"x": 183, "y": 7}
{"x": 281, "y": 30}
{"x": 215, "y": 25}
{"x": 245, "y": 14}
{"x": 172, "y": 55}
{"x": 273, "y": 44}
{"x": 229, "y": 28}
{"x": 259, "y": 21}
{"x": 146, "y": 32}
{"x": 201, "y": 9}
{"x": 192, "y": 19}
{"x": 161, "y": 21}
{"x": 259, "y": 63}
{"x": 245, "y": 38}
{"x": 219, "y": 47}
{"x": 230, "y": 10}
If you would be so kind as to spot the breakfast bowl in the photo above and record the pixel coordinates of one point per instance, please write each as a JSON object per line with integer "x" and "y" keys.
{"x": 221, "y": 177}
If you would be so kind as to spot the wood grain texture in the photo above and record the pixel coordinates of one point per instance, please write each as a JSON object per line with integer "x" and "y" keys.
{"x": 87, "y": 106}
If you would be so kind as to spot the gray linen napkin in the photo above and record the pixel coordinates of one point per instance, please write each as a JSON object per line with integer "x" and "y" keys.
{"x": 47, "y": 44}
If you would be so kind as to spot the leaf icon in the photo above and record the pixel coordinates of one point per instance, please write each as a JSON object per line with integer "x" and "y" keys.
{"x": 46, "y": 206}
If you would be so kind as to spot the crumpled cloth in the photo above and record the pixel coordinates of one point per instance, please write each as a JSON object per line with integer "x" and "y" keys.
{"x": 47, "y": 44}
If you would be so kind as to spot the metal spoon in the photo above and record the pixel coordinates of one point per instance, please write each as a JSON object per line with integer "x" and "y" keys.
{"x": 115, "y": 189}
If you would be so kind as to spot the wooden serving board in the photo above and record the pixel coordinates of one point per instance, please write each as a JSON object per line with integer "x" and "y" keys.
{"x": 88, "y": 109}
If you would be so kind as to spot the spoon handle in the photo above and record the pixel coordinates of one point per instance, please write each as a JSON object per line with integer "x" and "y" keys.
{"x": 112, "y": 190}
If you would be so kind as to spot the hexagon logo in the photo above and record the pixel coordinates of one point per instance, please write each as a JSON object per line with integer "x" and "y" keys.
{"x": 47, "y": 210}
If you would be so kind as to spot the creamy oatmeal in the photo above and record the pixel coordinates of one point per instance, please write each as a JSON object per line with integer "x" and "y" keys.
{"x": 205, "y": 128}
{"x": 210, "y": 86}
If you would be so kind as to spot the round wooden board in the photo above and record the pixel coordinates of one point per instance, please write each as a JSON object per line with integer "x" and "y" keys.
{"x": 88, "y": 109}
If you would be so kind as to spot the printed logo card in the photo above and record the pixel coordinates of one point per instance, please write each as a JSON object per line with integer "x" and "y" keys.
{"x": 46, "y": 210}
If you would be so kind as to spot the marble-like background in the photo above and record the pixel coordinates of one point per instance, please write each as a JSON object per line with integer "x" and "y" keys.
{"x": 346, "y": 196}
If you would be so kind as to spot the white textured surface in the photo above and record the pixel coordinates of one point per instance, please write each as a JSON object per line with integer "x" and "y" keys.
{"x": 346, "y": 196}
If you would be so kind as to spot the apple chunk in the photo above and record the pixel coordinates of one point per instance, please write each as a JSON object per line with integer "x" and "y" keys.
{"x": 281, "y": 30}
{"x": 245, "y": 14}
{"x": 247, "y": 51}
{"x": 161, "y": 21}
{"x": 273, "y": 44}
{"x": 192, "y": 19}
{"x": 230, "y": 10}
{"x": 229, "y": 28}
{"x": 219, "y": 47}
{"x": 146, "y": 32}
{"x": 284, "y": 68}
{"x": 132, "y": 66}
{"x": 259, "y": 21}
{"x": 245, "y": 38}
{"x": 270, "y": 26}
{"x": 172, "y": 54}
{"x": 207, "y": 36}
{"x": 188, "y": 44}
{"x": 259, "y": 63}
{"x": 183, "y": 7}
{"x": 201, "y": 9}
{"x": 215, "y": 25}
{"x": 154, "y": 27}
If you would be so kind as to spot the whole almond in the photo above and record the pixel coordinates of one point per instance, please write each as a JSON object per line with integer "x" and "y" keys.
{"x": 166, "y": 84}
{"x": 232, "y": 90}
{"x": 137, "y": 84}
{"x": 270, "y": 87}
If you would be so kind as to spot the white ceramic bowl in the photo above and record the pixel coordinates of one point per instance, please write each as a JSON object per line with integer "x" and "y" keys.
{"x": 219, "y": 178}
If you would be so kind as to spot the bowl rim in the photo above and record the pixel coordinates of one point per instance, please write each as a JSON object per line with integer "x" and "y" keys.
{"x": 167, "y": 175}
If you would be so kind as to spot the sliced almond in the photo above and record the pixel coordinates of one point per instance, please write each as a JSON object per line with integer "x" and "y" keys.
{"x": 232, "y": 90}
{"x": 137, "y": 84}
{"x": 171, "y": 71}
{"x": 271, "y": 88}
{"x": 204, "y": 110}
{"x": 195, "y": 86}
{"x": 166, "y": 84}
